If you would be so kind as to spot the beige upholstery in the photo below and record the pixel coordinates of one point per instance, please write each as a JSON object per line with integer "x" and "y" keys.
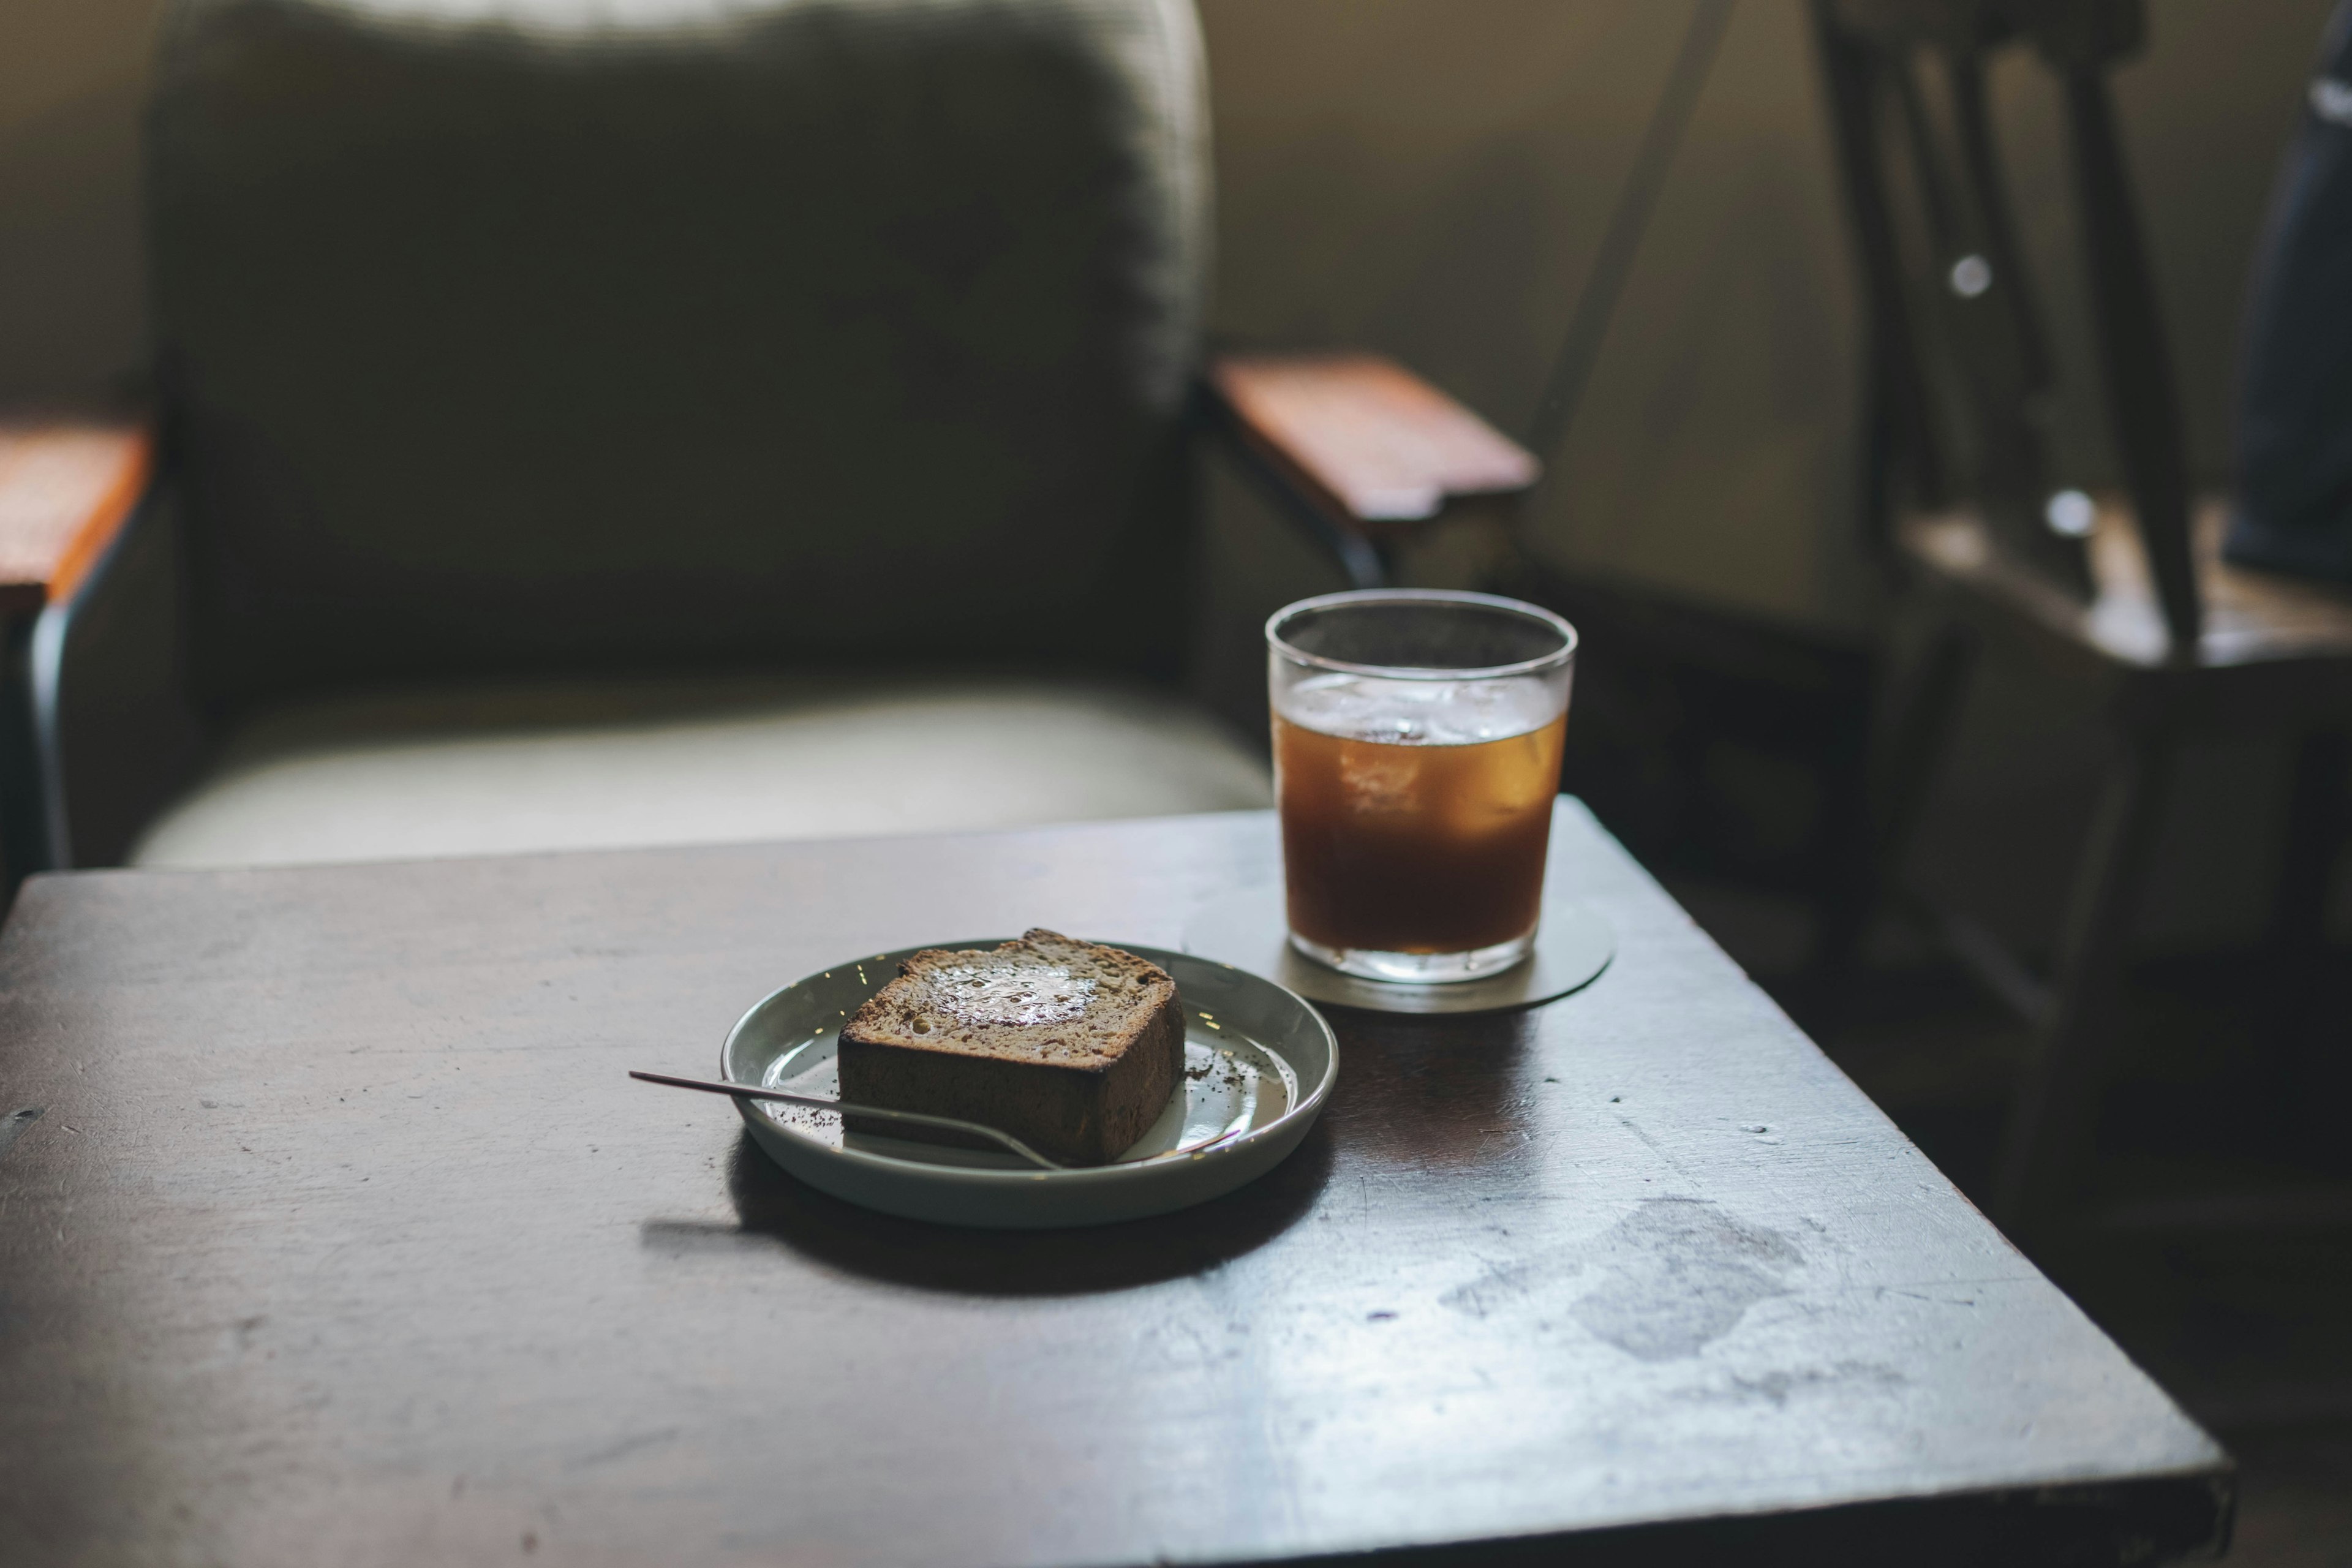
{"x": 589, "y": 766}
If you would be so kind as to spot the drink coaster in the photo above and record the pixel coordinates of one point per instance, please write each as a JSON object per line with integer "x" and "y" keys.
{"x": 1251, "y": 931}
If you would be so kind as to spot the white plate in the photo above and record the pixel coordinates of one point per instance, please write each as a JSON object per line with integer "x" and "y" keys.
{"x": 1258, "y": 1065}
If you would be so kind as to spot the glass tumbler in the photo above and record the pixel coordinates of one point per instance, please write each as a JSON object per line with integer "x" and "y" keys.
{"x": 1416, "y": 752}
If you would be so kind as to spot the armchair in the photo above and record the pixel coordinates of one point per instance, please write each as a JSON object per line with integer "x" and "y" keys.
{"x": 583, "y": 427}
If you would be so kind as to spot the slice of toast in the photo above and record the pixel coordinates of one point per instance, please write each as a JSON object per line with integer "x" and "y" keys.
{"x": 1072, "y": 1048}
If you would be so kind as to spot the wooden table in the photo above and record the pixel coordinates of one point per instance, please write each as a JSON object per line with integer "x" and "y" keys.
{"x": 341, "y": 1239}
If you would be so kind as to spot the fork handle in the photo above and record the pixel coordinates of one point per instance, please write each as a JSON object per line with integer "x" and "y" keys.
{"x": 881, "y": 1113}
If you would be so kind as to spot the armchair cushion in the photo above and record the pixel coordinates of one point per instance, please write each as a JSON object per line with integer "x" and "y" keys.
{"x": 592, "y": 766}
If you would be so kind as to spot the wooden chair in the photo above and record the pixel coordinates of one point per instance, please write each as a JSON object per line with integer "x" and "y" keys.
{"x": 2124, "y": 594}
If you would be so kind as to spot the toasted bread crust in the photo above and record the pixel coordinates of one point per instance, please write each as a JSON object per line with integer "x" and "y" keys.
{"x": 1071, "y": 1046}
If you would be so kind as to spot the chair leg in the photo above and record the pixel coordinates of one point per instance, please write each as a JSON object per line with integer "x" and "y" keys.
{"x": 2318, "y": 817}
{"x": 1919, "y": 723}
{"x": 1876, "y": 796}
{"x": 24, "y": 822}
{"x": 2309, "y": 1059}
{"x": 1846, "y": 872}
{"x": 2056, "y": 1108}
{"x": 1876, "y": 786}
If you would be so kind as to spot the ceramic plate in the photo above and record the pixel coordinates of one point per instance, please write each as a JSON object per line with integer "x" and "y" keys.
{"x": 1258, "y": 1065}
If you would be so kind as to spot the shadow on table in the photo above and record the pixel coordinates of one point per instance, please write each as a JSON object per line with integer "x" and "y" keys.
{"x": 1433, "y": 1092}
{"x": 773, "y": 1204}
{"x": 1424, "y": 1093}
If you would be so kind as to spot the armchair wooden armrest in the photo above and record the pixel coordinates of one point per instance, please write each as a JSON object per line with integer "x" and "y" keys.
{"x": 67, "y": 487}
{"x": 1370, "y": 448}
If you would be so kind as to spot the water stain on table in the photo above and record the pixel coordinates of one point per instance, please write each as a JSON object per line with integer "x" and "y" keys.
{"x": 1682, "y": 1273}
{"x": 1673, "y": 1276}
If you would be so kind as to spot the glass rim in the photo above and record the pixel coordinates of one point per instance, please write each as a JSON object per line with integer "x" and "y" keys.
{"x": 1564, "y": 654}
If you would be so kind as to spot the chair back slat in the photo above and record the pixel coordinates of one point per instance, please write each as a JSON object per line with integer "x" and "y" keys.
{"x": 1894, "y": 401}
{"x": 2142, "y": 403}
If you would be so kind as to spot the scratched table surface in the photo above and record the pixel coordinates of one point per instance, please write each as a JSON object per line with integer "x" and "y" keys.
{"x": 340, "y": 1237}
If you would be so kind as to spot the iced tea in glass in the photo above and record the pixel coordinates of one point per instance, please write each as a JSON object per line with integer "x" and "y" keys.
{"x": 1416, "y": 752}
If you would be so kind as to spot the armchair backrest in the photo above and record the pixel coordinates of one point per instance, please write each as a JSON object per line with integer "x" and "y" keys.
{"x": 515, "y": 334}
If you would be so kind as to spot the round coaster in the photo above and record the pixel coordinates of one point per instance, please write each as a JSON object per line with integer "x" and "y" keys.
{"x": 1250, "y": 931}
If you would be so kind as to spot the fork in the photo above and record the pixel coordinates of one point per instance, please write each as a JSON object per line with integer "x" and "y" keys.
{"x": 913, "y": 1118}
